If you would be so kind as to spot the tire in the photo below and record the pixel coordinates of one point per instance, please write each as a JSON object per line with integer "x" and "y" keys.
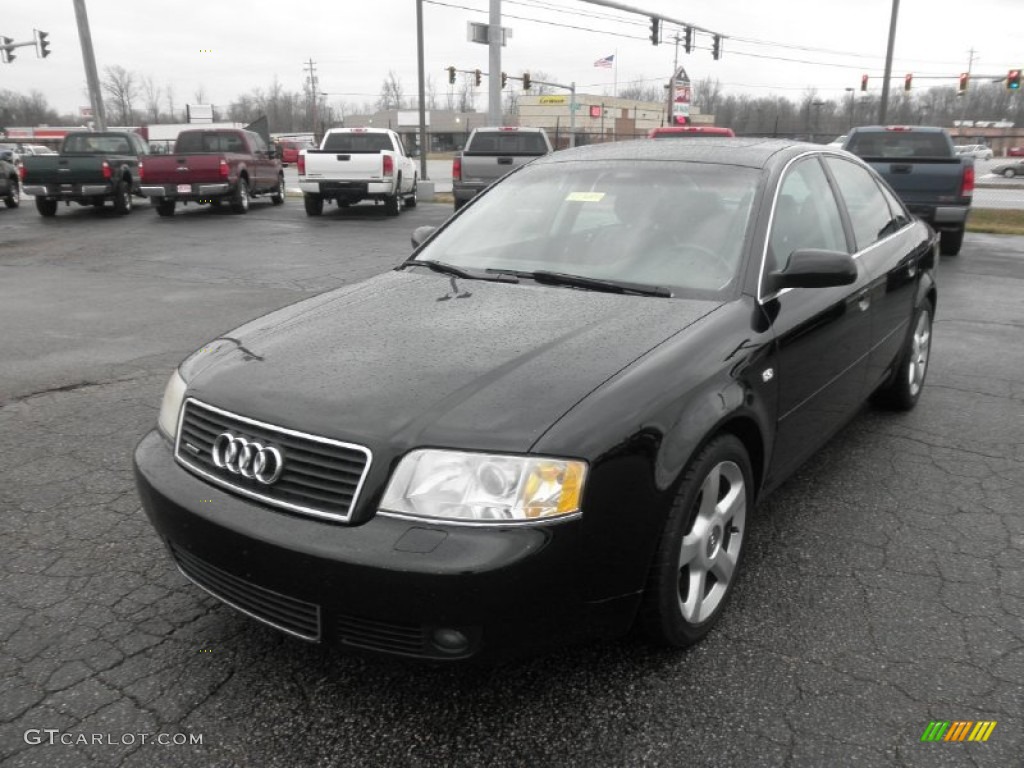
{"x": 314, "y": 204}
{"x": 1009, "y": 173}
{"x": 699, "y": 554}
{"x": 951, "y": 241}
{"x": 165, "y": 207}
{"x": 459, "y": 203}
{"x": 13, "y": 199}
{"x": 123, "y": 197}
{"x": 46, "y": 207}
{"x": 392, "y": 203}
{"x": 277, "y": 196}
{"x": 412, "y": 200}
{"x": 240, "y": 200}
{"x": 904, "y": 389}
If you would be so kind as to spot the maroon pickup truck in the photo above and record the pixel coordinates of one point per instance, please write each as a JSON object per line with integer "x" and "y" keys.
{"x": 211, "y": 167}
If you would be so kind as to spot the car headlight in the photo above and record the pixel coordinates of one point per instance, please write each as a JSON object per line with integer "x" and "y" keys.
{"x": 174, "y": 396}
{"x": 476, "y": 487}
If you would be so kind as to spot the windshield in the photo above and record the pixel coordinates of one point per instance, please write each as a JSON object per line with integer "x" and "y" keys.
{"x": 677, "y": 225}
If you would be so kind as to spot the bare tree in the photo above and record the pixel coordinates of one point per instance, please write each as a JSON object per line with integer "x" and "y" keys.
{"x": 537, "y": 87}
{"x": 642, "y": 90}
{"x": 431, "y": 92}
{"x": 122, "y": 88}
{"x": 200, "y": 95}
{"x": 465, "y": 97}
{"x": 391, "y": 94}
{"x": 707, "y": 92}
{"x": 169, "y": 90}
{"x": 151, "y": 91}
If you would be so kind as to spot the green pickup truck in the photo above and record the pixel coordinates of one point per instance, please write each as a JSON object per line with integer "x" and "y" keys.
{"x": 91, "y": 169}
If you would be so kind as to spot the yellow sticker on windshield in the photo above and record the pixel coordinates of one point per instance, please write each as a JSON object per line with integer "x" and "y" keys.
{"x": 585, "y": 197}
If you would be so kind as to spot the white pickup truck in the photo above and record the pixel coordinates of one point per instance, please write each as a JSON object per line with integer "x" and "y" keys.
{"x": 356, "y": 164}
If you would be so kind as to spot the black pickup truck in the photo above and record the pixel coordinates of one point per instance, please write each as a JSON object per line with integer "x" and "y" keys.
{"x": 91, "y": 169}
{"x": 921, "y": 165}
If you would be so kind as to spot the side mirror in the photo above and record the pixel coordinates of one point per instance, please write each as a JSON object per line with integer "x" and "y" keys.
{"x": 812, "y": 268}
{"x": 420, "y": 234}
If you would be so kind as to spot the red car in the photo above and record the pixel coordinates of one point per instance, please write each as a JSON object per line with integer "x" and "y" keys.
{"x": 290, "y": 150}
{"x": 1015, "y": 152}
{"x": 681, "y": 131}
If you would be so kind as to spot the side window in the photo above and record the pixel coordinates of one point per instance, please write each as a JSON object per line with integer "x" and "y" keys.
{"x": 900, "y": 217}
{"x": 258, "y": 145}
{"x": 806, "y": 215}
{"x": 867, "y": 206}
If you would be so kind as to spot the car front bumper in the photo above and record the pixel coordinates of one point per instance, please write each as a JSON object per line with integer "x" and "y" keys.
{"x": 391, "y": 586}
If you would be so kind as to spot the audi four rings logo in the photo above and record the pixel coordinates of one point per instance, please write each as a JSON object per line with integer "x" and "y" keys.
{"x": 247, "y": 458}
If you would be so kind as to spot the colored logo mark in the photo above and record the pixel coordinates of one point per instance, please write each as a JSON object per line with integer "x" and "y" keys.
{"x": 958, "y": 730}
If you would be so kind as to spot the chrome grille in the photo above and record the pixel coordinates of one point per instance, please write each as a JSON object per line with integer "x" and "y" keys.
{"x": 321, "y": 477}
{"x": 296, "y": 617}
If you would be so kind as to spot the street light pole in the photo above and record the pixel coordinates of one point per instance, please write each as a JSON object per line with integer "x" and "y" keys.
{"x": 89, "y": 58}
{"x": 884, "y": 107}
{"x": 851, "y": 91}
{"x": 422, "y": 90}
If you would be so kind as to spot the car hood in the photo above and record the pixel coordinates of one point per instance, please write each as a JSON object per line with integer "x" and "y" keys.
{"x": 418, "y": 359}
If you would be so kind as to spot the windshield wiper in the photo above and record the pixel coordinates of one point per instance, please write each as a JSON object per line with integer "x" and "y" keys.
{"x": 466, "y": 274}
{"x": 589, "y": 283}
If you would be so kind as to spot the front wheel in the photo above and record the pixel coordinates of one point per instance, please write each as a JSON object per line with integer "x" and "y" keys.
{"x": 1009, "y": 173}
{"x": 13, "y": 199}
{"x": 314, "y": 204}
{"x": 46, "y": 207}
{"x": 123, "y": 197}
{"x": 698, "y": 556}
{"x": 951, "y": 241}
{"x": 904, "y": 389}
{"x": 240, "y": 200}
{"x": 277, "y": 196}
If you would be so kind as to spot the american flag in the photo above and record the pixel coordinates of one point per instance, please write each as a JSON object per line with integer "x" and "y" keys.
{"x": 606, "y": 62}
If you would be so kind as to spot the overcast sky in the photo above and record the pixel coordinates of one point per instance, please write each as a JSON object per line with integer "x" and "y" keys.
{"x": 782, "y": 47}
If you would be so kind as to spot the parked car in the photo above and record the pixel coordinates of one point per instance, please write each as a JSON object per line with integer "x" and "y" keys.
{"x": 977, "y": 151}
{"x": 555, "y": 419}
{"x": 837, "y": 142}
{"x": 681, "y": 131}
{"x": 355, "y": 164}
{"x": 1015, "y": 152}
{"x": 211, "y": 167}
{"x": 9, "y": 191}
{"x": 490, "y": 153}
{"x": 290, "y": 150}
{"x": 90, "y": 169}
{"x": 1009, "y": 170}
{"x": 919, "y": 162}
{"x": 36, "y": 149}
{"x": 9, "y": 154}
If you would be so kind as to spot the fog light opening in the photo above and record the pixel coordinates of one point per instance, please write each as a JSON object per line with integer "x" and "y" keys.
{"x": 450, "y": 640}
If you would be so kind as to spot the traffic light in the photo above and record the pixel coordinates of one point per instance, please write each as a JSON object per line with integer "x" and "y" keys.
{"x": 504, "y": 80}
{"x": 1013, "y": 80}
{"x": 42, "y": 44}
{"x": 7, "y": 54}
{"x": 451, "y": 75}
{"x": 716, "y": 48}
{"x": 863, "y": 82}
{"x": 526, "y": 81}
{"x": 655, "y": 30}
{"x": 907, "y": 81}
{"x": 476, "y": 77}
{"x": 964, "y": 77}
{"x": 688, "y": 39}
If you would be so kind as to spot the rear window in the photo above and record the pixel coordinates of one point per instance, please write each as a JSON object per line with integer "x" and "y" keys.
{"x": 507, "y": 143}
{"x": 899, "y": 144}
{"x": 97, "y": 144}
{"x": 198, "y": 142}
{"x": 358, "y": 143}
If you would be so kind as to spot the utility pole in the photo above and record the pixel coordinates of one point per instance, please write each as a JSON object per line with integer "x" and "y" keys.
{"x": 494, "y": 64}
{"x": 422, "y": 90}
{"x": 89, "y": 59}
{"x": 311, "y": 69}
{"x": 884, "y": 106}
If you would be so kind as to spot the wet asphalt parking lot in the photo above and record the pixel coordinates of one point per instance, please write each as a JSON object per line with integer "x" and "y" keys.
{"x": 883, "y": 584}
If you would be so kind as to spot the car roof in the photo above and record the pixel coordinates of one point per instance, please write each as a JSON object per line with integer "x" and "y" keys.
{"x": 749, "y": 152}
{"x": 908, "y": 128}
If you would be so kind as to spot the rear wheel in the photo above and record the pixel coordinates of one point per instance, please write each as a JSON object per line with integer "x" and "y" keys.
{"x": 46, "y": 207}
{"x": 952, "y": 239}
{"x": 123, "y": 197}
{"x": 904, "y": 390}
{"x": 698, "y": 557}
{"x": 412, "y": 200}
{"x": 165, "y": 207}
{"x": 314, "y": 204}
{"x": 392, "y": 202}
{"x": 13, "y": 199}
{"x": 240, "y": 200}
{"x": 277, "y": 196}
{"x": 1009, "y": 173}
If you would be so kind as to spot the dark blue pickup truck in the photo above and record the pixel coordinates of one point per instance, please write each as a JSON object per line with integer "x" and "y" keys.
{"x": 921, "y": 165}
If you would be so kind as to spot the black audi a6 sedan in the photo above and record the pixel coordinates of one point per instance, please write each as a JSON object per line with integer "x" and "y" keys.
{"x": 555, "y": 419}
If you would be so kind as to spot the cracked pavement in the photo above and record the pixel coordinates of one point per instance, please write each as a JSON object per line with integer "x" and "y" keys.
{"x": 883, "y": 585}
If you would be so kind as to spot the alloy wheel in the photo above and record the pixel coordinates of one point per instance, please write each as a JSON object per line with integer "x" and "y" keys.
{"x": 920, "y": 344}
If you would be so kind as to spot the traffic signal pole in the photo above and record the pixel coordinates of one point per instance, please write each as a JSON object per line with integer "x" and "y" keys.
{"x": 89, "y": 59}
{"x": 494, "y": 64}
{"x": 884, "y": 106}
